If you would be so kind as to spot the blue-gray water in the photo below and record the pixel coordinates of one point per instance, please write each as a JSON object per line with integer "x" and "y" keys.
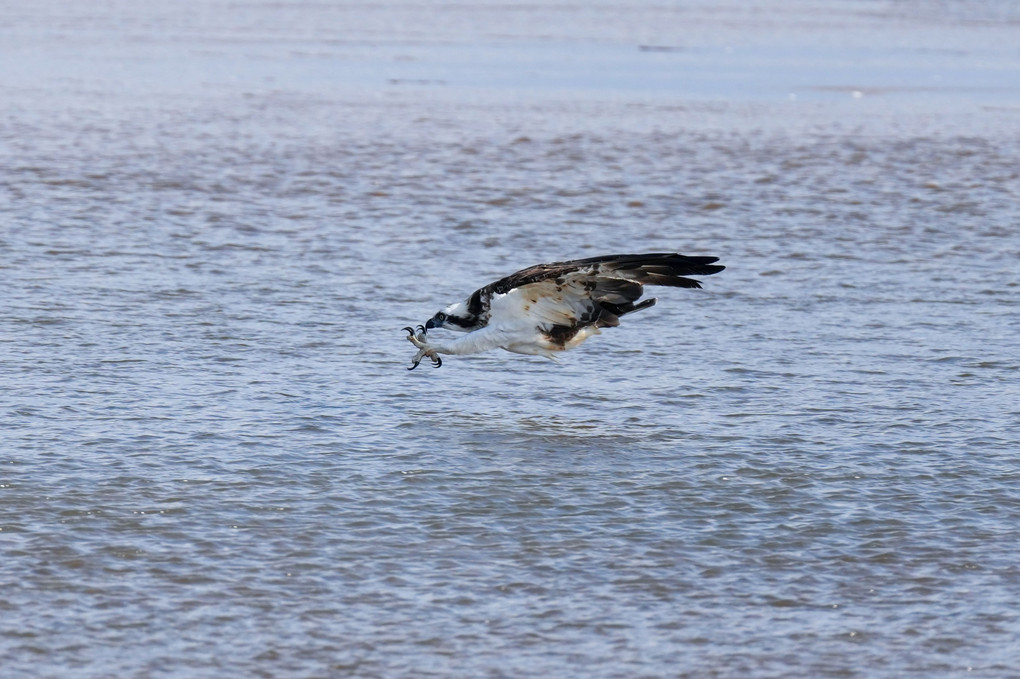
{"x": 216, "y": 217}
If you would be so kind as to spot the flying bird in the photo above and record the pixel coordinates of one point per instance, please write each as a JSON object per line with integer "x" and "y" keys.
{"x": 549, "y": 308}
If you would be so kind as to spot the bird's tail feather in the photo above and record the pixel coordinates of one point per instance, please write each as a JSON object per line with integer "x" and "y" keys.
{"x": 610, "y": 316}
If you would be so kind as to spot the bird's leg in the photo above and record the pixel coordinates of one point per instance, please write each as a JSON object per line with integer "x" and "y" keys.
{"x": 418, "y": 340}
{"x": 437, "y": 362}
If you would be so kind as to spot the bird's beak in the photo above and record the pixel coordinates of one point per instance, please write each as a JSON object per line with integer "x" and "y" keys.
{"x": 429, "y": 324}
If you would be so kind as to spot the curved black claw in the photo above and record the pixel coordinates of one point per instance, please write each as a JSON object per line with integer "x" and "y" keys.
{"x": 414, "y": 364}
{"x": 409, "y": 329}
{"x": 437, "y": 362}
{"x": 422, "y": 330}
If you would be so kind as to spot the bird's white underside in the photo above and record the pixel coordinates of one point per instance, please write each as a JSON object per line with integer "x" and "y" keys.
{"x": 519, "y": 320}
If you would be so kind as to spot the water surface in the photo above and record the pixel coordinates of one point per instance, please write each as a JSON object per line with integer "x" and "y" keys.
{"x": 216, "y": 219}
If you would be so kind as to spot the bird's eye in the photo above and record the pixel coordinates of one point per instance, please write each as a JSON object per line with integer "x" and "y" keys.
{"x": 440, "y": 316}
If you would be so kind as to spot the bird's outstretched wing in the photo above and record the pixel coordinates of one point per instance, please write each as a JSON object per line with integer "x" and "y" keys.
{"x": 657, "y": 268}
{"x": 561, "y": 299}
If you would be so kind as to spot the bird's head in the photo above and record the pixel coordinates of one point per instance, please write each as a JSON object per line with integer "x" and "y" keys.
{"x": 455, "y": 317}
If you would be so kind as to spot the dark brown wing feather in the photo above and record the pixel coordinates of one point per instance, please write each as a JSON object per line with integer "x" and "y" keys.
{"x": 657, "y": 268}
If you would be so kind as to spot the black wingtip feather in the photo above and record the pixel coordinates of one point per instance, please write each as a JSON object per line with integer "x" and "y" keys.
{"x": 678, "y": 282}
{"x": 671, "y": 263}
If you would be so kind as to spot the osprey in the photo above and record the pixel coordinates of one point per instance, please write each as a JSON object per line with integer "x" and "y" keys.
{"x": 549, "y": 308}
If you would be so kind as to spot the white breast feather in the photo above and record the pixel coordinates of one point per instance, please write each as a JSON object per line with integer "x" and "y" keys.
{"x": 541, "y": 304}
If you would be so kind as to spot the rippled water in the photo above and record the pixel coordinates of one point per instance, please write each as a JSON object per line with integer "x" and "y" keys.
{"x": 217, "y": 217}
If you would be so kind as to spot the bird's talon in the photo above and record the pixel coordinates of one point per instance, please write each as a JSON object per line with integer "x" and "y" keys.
{"x": 422, "y": 353}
